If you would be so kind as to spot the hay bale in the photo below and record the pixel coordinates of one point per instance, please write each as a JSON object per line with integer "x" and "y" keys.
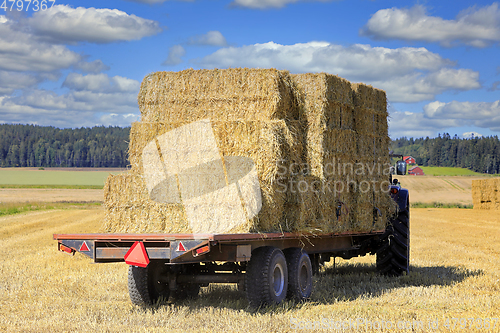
{"x": 303, "y": 134}
{"x": 129, "y": 208}
{"x": 226, "y": 95}
{"x": 486, "y": 194}
{"x": 273, "y": 146}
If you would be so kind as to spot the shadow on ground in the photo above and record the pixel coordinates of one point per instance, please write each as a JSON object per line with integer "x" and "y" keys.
{"x": 345, "y": 283}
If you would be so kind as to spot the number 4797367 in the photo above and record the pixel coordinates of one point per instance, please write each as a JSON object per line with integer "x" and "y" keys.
{"x": 20, "y": 5}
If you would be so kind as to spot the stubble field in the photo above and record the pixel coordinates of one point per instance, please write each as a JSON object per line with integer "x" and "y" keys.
{"x": 455, "y": 273}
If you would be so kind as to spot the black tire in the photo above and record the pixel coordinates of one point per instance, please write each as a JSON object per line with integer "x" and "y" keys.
{"x": 144, "y": 285}
{"x": 300, "y": 282}
{"x": 393, "y": 255}
{"x": 266, "y": 279}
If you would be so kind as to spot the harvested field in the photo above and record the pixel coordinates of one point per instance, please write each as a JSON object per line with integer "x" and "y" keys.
{"x": 11, "y": 195}
{"x": 454, "y": 274}
{"x": 444, "y": 189}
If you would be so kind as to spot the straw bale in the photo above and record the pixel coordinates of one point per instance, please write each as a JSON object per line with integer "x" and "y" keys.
{"x": 312, "y": 205}
{"x": 129, "y": 208}
{"x": 273, "y": 146}
{"x": 227, "y": 95}
{"x": 365, "y": 96}
{"x": 486, "y": 194}
{"x": 305, "y": 130}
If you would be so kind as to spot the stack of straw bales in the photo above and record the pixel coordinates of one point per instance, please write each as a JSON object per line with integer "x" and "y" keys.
{"x": 486, "y": 194}
{"x": 305, "y": 134}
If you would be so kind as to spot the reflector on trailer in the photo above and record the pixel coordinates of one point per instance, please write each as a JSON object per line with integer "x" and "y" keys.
{"x": 202, "y": 250}
{"x": 66, "y": 249}
{"x": 84, "y": 246}
{"x": 181, "y": 248}
{"x": 137, "y": 255}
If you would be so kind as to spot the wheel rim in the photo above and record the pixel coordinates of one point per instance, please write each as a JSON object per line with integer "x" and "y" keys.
{"x": 278, "y": 280}
{"x": 303, "y": 278}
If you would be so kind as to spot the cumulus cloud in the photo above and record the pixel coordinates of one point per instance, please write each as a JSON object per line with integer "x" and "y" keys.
{"x": 469, "y": 135}
{"x": 212, "y": 38}
{"x": 10, "y": 82}
{"x": 100, "y": 83}
{"x": 175, "y": 54}
{"x": 69, "y": 25}
{"x": 416, "y": 124}
{"x": 91, "y": 99}
{"x": 407, "y": 74}
{"x": 478, "y": 27}
{"x": 22, "y": 52}
{"x": 482, "y": 114}
{"x": 438, "y": 116}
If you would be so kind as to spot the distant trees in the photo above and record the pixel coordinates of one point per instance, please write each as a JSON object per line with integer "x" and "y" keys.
{"x": 37, "y": 146}
{"x": 481, "y": 154}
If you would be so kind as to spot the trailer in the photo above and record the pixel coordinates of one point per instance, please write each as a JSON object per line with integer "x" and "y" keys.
{"x": 269, "y": 267}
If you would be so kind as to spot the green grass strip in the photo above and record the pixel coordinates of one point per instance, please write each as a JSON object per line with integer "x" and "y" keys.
{"x": 440, "y": 205}
{"x": 17, "y": 208}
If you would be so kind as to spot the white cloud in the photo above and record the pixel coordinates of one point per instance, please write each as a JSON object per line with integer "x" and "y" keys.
{"x": 175, "y": 54}
{"x": 65, "y": 24}
{"x": 438, "y": 116}
{"x": 100, "y": 83}
{"x": 416, "y": 124}
{"x": 482, "y": 114}
{"x": 478, "y": 27}
{"x": 213, "y": 38}
{"x": 93, "y": 99}
{"x": 407, "y": 74}
{"x": 22, "y": 52}
{"x": 469, "y": 135}
{"x": 263, "y": 4}
{"x": 11, "y": 81}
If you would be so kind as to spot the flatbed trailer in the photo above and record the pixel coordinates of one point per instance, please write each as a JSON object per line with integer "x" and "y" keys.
{"x": 269, "y": 267}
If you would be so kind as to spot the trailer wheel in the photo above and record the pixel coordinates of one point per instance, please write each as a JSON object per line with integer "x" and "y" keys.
{"x": 300, "y": 282}
{"x": 266, "y": 280}
{"x": 145, "y": 286}
{"x": 393, "y": 255}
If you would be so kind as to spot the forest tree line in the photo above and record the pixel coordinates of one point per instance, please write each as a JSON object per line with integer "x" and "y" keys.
{"x": 44, "y": 146}
{"x": 480, "y": 154}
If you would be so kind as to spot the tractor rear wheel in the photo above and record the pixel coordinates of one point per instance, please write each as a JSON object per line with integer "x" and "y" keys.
{"x": 393, "y": 255}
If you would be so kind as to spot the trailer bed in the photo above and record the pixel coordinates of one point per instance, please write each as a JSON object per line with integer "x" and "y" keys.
{"x": 192, "y": 248}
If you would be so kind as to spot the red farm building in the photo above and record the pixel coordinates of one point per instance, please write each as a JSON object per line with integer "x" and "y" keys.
{"x": 409, "y": 160}
{"x": 416, "y": 171}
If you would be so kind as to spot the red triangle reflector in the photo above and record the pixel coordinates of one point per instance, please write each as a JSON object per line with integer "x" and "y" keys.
{"x": 137, "y": 255}
{"x": 181, "y": 248}
{"x": 84, "y": 246}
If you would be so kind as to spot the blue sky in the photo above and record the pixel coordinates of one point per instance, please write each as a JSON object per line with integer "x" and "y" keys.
{"x": 80, "y": 63}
